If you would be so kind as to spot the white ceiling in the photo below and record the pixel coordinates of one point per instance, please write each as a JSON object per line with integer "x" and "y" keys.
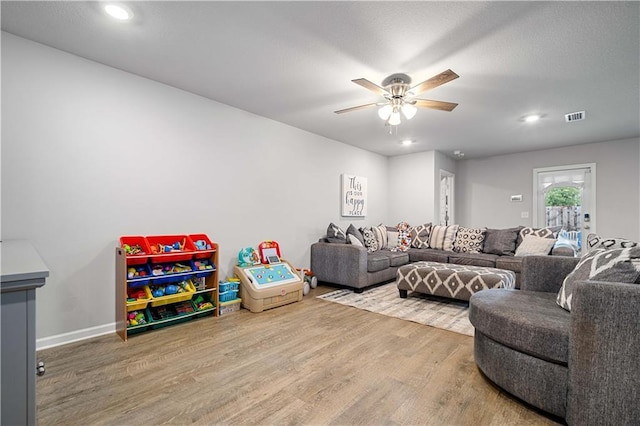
{"x": 293, "y": 62}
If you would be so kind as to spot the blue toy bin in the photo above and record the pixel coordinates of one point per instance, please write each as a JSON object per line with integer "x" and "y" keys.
{"x": 228, "y": 295}
{"x": 225, "y": 286}
{"x": 209, "y": 267}
{"x": 168, "y": 277}
{"x": 133, "y": 277}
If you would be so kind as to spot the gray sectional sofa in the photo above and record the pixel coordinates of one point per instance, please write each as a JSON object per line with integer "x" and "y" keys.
{"x": 581, "y": 365}
{"x": 352, "y": 266}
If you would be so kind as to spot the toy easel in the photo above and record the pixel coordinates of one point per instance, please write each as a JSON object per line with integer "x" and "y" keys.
{"x": 269, "y": 252}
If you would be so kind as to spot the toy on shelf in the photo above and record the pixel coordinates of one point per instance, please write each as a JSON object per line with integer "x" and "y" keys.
{"x": 201, "y": 303}
{"x": 169, "y": 289}
{"x": 134, "y": 249}
{"x": 310, "y": 281}
{"x": 134, "y": 272}
{"x": 169, "y": 268}
{"x": 202, "y": 245}
{"x": 168, "y": 248}
{"x": 136, "y": 318}
{"x": 248, "y": 257}
{"x": 134, "y": 294}
{"x": 203, "y": 264}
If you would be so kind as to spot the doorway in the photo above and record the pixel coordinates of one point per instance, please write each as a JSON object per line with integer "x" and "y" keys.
{"x": 564, "y": 197}
{"x": 447, "y": 181}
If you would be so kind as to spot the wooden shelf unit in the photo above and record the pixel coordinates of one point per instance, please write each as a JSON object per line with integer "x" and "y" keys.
{"x": 122, "y": 282}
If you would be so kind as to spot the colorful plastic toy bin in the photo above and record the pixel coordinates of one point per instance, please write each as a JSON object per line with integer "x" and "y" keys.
{"x": 173, "y": 298}
{"x": 225, "y": 286}
{"x": 202, "y": 253}
{"x": 203, "y": 303}
{"x": 138, "y": 242}
{"x": 138, "y": 275}
{"x": 228, "y": 296}
{"x": 229, "y": 307}
{"x": 138, "y": 318}
{"x": 144, "y": 297}
{"x": 171, "y": 248}
{"x": 203, "y": 267}
{"x": 164, "y": 273}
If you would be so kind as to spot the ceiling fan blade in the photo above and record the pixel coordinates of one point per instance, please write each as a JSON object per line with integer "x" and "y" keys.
{"x": 427, "y": 103}
{"x": 355, "y": 108}
{"x": 435, "y": 81}
{"x": 371, "y": 86}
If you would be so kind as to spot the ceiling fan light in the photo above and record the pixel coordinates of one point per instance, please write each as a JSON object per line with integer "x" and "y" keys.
{"x": 385, "y": 112}
{"x": 409, "y": 111}
{"x": 394, "y": 118}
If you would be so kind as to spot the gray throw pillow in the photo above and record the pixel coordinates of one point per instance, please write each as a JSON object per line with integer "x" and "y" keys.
{"x": 469, "y": 240}
{"x": 352, "y": 230}
{"x": 420, "y": 235}
{"x": 596, "y": 241}
{"x": 370, "y": 241}
{"x": 620, "y": 265}
{"x": 335, "y": 234}
{"x": 501, "y": 241}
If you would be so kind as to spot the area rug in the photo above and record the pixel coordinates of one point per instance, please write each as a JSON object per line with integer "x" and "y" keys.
{"x": 441, "y": 313}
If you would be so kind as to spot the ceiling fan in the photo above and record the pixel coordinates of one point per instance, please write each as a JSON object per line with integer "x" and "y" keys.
{"x": 399, "y": 96}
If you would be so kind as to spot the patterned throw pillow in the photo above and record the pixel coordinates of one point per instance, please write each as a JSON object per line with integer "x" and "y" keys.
{"x": 442, "y": 237}
{"x": 616, "y": 265}
{"x": 393, "y": 237}
{"x": 420, "y": 235}
{"x": 595, "y": 241}
{"x": 335, "y": 234}
{"x": 469, "y": 240}
{"x": 381, "y": 236}
{"x": 370, "y": 241}
{"x": 501, "y": 241}
{"x": 533, "y": 245}
{"x": 354, "y": 236}
{"x": 538, "y": 232}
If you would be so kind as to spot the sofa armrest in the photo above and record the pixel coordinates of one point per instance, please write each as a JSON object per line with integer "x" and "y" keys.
{"x": 545, "y": 273}
{"x": 604, "y": 360}
{"x": 336, "y": 263}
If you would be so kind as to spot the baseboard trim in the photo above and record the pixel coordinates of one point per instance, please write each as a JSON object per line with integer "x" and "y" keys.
{"x": 74, "y": 336}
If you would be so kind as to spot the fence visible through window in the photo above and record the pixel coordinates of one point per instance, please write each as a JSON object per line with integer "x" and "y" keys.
{"x": 568, "y": 217}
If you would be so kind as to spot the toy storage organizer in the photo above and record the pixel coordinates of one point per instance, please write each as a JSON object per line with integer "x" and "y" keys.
{"x": 163, "y": 280}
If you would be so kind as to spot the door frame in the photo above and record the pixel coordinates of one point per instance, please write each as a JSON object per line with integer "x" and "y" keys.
{"x": 592, "y": 193}
{"x": 451, "y": 204}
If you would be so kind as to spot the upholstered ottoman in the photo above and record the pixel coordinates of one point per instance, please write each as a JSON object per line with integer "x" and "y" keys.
{"x": 451, "y": 280}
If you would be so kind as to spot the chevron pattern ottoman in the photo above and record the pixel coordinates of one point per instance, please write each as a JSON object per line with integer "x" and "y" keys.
{"x": 451, "y": 280}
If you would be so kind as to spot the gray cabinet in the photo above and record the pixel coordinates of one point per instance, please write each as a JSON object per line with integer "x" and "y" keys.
{"x": 22, "y": 272}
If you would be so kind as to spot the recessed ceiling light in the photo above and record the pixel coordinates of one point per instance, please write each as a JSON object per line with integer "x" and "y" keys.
{"x": 406, "y": 142}
{"x": 532, "y": 118}
{"x": 119, "y": 12}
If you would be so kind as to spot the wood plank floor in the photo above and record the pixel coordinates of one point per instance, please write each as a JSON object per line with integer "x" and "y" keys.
{"x": 312, "y": 362}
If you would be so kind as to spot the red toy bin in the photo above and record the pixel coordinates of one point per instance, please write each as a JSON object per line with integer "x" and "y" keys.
{"x": 185, "y": 254}
{"x": 136, "y": 259}
{"x": 205, "y": 253}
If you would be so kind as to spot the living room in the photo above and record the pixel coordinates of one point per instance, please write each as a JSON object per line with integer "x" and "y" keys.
{"x": 91, "y": 152}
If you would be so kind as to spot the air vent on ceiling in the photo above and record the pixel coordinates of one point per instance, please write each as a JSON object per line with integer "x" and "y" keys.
{"x": 574, "y": 116}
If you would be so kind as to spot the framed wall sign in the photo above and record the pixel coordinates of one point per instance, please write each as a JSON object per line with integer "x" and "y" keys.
{"x": 354, "y": 195}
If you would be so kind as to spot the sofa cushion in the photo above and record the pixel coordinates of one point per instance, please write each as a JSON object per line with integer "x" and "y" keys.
{"x": 501, "y": 241}
{"x": 527, "y": 321}
{"x": 335, "y": 234}
{"x": 620, "y": 265}
{"x": 475, "y": 259}
{"x": 533, "y": 245}
{"x": 595, "y": 241}
{"x": 510, "y": 263}
{"x": 469, "y": 240}
{"x": 377, "y": 261}
{"x": 538, "y": 232}
{"x": 420, "y": 235}
{"x": 370, "y": 241}
{"x": 442, "y": 237}
{"x": 396, "y": 258}
{"x": 428, "y": 255}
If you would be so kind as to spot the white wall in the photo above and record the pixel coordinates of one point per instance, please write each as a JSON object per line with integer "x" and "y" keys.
{"x": 412, "y": 188}
{"x": 91, "y": 153}
{"x": 483, "y": 186}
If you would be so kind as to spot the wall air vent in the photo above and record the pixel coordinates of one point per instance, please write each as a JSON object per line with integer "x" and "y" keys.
{"x": 574, "y": 116}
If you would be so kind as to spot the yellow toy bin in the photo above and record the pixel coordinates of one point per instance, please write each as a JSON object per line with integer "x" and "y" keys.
{"x": 140, "y": 304}
{"x": 173, "y": 298}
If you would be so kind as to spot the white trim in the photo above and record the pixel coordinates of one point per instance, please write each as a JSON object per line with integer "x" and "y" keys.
{"x": 592, "y": 194}
{"x": 448, "y": 174}
{"x": 75, "y": 336}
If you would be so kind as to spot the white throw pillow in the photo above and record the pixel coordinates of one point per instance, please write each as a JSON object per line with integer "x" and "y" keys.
{"x": 535, "y": 246}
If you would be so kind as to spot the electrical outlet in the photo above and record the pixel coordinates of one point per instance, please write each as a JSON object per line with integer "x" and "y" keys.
{"x": 524, "y": 215}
